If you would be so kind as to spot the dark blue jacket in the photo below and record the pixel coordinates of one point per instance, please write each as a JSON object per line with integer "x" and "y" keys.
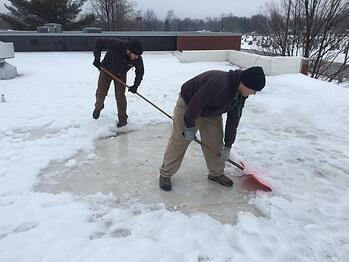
{"x": 116, "y": 59}
{"x": 214, "y": 93}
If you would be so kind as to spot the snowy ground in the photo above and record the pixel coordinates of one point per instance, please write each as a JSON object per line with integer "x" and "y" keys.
{"x": 255, "y": 43}
{"x": 295, "y": 131}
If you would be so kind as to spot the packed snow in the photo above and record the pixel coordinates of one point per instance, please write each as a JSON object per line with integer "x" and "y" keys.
{"x": 263, "y": 44}
{"x": 296, "y": 131}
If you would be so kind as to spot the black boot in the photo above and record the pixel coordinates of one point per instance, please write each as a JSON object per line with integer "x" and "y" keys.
{"x": 165, "y": 183}
{"x": 96, "y": 113}
{"x": 222, "y": 179}
{"x": 122, "y": 121}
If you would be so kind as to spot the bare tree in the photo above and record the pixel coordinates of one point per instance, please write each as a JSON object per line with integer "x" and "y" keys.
{"x": 170, "y": 17}
{"x": 325, "y": 36}
{"x": 213, "y": 24}
{"x": 316, "y": 29}
{"x": 282, "y": 27}
{"x": 151, "y": 22}
{"x": 113, "y": 14}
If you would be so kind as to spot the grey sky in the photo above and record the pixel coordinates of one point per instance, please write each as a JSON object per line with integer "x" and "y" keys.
{"x": 195, "y": 8}
{"x": 202, "y": 8}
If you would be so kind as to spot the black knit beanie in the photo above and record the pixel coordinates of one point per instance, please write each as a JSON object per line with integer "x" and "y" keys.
{"x": 135, "y": 47}
{"x": 253, "y": 78}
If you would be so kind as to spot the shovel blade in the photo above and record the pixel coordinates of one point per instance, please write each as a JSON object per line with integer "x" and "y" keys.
{"x": 262, "y": 183}
{"x": 265, "y": 186}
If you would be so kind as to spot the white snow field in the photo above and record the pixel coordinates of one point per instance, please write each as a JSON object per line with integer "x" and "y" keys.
{"x": 295, "y": 131}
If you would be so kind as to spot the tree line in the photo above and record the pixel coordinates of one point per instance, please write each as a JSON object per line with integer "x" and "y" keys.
{"x": 115, "y": 15}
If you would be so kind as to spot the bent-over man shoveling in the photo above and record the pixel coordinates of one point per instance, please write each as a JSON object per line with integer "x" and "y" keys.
{"x": 120, "y": 57}
{"x": 202, "y": 101}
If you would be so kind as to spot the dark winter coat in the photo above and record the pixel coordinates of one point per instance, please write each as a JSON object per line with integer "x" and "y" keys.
{"x": 214, "y": 93}
{"x": 117, "y": 60}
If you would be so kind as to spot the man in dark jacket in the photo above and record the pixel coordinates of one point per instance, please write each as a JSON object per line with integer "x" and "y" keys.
{"x": 203, "y": 100}
{"x": 121, "y": 56}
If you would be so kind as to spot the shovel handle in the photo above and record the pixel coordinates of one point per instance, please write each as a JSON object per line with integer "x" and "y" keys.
{"x": 123, "y": 83}
{"x": 229, "y": 160}
{"x": 162, "y": 111}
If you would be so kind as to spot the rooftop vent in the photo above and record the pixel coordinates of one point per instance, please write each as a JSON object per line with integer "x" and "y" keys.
{"x": 50, "y": 28}
{"x": 45, "y": 29}
{"x": 92, "y": 30}
{"x": 55, "y": 26}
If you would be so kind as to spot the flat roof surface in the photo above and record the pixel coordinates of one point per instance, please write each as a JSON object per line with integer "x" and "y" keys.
{"x": 127, "y": 164}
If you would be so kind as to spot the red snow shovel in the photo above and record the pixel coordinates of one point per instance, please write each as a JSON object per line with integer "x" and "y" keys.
{"x": 257, "y": 179}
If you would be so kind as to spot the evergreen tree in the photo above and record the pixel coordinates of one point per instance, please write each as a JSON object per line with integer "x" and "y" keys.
{"x": 27, "y": 15}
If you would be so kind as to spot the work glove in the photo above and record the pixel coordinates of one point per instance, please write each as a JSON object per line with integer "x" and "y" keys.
{"x": 97, "y": 64}
{"x": 133, "y": 89}
{"x": 225, "y": 153}
{"x": 189, "y": 133}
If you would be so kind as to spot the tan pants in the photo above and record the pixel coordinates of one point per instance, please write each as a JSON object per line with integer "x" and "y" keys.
{"x": 211, "y": 133}
{"x": 102, "y": 90}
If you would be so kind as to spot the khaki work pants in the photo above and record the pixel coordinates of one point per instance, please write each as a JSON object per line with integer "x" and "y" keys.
{"x": 211, "y": 133}
{"x": 102, "y": 90}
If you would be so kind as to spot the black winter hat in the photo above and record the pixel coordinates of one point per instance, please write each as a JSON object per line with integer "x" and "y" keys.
{"x": 253, "y": 78}
{"x": 135, "y": 47}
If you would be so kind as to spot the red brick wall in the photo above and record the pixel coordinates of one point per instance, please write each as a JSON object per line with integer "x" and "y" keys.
{"x": 208, "y": 43}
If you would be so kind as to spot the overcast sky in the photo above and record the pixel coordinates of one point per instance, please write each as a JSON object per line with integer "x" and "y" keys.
{"x": 196, "y": 8}
{"x": 202, "y": 8}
